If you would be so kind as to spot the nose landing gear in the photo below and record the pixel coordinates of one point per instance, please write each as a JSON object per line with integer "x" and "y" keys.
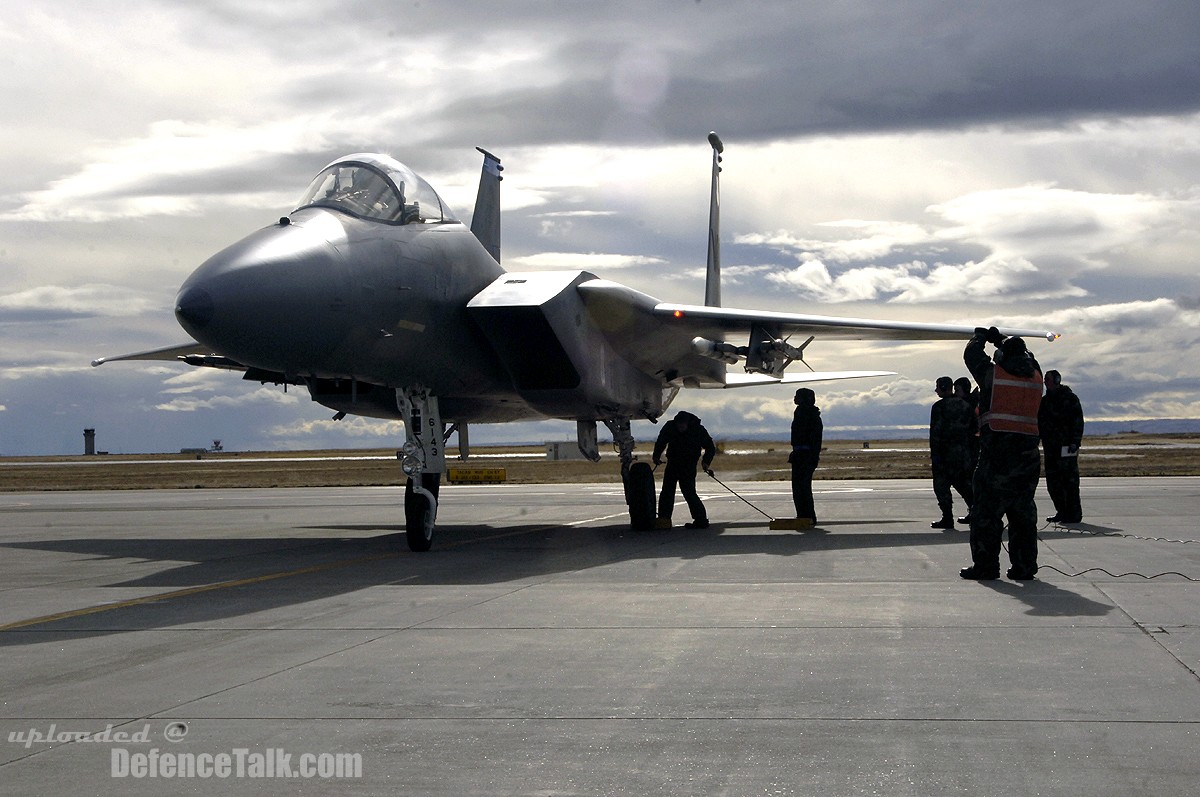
{"x": 423, "y": 460}
{"x": 638, "y": 478}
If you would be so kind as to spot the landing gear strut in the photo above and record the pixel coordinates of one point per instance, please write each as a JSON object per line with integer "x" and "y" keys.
{"x": 638, "y": 477}
{"x": 423, "y": 460}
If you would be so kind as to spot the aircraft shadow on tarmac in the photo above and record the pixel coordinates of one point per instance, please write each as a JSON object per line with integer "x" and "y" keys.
{"x": 227, "y": 578}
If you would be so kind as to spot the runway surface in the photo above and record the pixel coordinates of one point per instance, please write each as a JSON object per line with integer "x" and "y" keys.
{"x": 543, "y": 648}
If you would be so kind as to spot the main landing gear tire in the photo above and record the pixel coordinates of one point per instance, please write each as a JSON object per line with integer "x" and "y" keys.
{"x": 639, "y": 495}
{"x": 419, "y": 513}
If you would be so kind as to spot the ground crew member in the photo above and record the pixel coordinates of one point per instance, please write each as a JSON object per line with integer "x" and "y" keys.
{"x": 1060, "y": 423}
{"x": 951, "y": 434}
{"x": 962, "y": 389}
{"x": 807, "y": 430}
{"x": 684, "y": 441}
{"x": 970, "y": 394}
{"x": 1010, "y": 392}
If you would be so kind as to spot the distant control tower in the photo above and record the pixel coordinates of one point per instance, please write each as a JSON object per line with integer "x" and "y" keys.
{"x": 89, "y": 442}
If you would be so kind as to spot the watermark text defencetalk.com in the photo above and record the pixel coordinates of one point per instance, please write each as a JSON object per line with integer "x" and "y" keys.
{"x": 239, "y": 762}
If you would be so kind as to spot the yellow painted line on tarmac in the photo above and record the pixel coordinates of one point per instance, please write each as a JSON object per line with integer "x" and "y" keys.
{"x": 183, "y": 593}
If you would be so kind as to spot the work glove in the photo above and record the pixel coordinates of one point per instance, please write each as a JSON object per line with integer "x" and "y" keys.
{"x": 994, "y": 336}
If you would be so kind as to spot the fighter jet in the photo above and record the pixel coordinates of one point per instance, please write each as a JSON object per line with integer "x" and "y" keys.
{"x": 376, "y": 298}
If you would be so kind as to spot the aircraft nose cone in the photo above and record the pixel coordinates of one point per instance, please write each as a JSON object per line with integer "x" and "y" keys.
{"x": 275, "y": 300}
{"x": 194, "y": 308}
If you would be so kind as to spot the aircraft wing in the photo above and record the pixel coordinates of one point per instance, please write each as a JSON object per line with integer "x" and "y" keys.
{"x": 712, "y": 320}
{"x": 201, "y": 356}
{"x": 168, "y": 353}
{"x": 692, "y": 344}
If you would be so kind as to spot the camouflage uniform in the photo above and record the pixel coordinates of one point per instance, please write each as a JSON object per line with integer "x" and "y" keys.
{"x": 951, "y": 439}
{"x": 1008, "y": 471}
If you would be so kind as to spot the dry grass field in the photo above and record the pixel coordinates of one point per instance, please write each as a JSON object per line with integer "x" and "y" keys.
{"x": 1129, "y": 454}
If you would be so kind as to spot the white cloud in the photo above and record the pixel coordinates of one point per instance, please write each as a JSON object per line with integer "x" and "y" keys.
{"x": 263, "y": 395}
{"x": 1037, "y": 239}
{"x": 136, "y": 178}
{"x": 196, "y": 380}
{"x": 83, "y": 301}
{"x": 357, "y": 428}
{"x": 1154, "y": 404}
{"x": 1038, "y": 221}
{"x": 917, "y": 282}
{"x": 40, "y": 371}
{"x": 1120, "y": 317}
{"x": 874, "y": 239}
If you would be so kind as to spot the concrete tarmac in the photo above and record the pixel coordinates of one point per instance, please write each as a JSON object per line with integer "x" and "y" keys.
{"x": 254, "y": 641}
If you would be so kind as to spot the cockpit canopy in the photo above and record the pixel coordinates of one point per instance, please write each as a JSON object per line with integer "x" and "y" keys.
{"x": 377, "y": 188}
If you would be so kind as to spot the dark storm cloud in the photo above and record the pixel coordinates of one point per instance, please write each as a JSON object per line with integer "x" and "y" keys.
{"x": 770, "y": 70}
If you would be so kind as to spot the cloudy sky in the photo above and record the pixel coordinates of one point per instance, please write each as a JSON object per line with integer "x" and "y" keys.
{"x": 1034, "y": 163}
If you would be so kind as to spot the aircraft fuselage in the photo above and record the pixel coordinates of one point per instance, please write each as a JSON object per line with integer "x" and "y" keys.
{"x": 356, "y": 309}
{"x": 327, "y": 298}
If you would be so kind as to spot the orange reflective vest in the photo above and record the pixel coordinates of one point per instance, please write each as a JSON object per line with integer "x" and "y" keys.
{"x": 1015, "y": 402}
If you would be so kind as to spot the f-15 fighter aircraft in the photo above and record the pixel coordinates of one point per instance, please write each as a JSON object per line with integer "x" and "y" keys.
{"x": 374, "y": 296}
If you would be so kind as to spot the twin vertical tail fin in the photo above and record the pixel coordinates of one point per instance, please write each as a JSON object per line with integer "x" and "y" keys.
{"x": 485, "y": 223}
{"x": 712, "y": 280}
{"x": 712, "y": 277}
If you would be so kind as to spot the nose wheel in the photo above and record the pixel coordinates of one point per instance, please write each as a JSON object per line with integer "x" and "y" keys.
{"x": 423, "y": 459}
{"x": 420, "y": 511}
{"x": 638, "y": 477}
{"x": 639, "y": 496}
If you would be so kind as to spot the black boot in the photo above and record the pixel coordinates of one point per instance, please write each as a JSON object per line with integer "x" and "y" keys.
{"x": 947, "y": 522}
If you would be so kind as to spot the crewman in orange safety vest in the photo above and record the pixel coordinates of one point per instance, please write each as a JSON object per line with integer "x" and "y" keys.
{"x": 1010, "y": 392}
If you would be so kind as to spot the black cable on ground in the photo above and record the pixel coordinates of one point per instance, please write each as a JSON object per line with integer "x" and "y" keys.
{"x": 1101, "y": 569}
{"x": 1115, "y": 575}
{"x": 1058, "y": 527}
{"x": 730, "y": 489}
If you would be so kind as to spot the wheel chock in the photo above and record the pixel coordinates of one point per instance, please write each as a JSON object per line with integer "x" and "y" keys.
{"x": 791, "y": 524}
{"x": 662, "y": 523}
